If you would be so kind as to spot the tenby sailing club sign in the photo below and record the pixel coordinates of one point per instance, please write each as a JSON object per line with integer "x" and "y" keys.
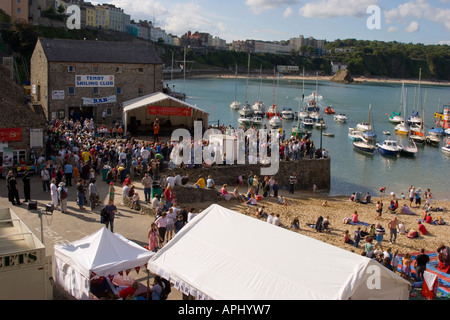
{"x": 90, "y": 81}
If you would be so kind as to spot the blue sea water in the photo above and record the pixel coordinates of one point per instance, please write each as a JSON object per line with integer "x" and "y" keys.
{"x": 351, "y": 171}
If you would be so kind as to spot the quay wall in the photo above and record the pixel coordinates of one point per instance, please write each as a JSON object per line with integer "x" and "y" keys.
{"x": 307, "y": 171}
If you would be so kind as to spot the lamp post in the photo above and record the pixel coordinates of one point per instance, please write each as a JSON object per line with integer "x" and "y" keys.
{"x": 321, "y": 126}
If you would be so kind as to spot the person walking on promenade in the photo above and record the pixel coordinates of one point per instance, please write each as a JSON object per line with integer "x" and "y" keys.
{"x": 80, "y": 194}
{"x": 62, "y": 192}
{"x": 13, "y": 189}
{"x": 54, "y": 194}
{"x": 112, "y": 210}
{"x": 94, "y": 195}
{"x": 26, "y": 181}
{"x": 147, "y": 184}
{"x": 68, "y": 172}
{"x": 292, "y": 182}
{"x": 45, "y": 175}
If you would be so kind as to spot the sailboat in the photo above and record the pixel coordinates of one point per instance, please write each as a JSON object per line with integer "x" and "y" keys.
{"x": 418, "y": 134}
{"x": 363, "y": 145}
{"x": 247, "y": 110}
{"x": 275, "y": 121}
{"x": 414, "y": 118}
{"x": 396, "y": 117}
{"x": 236, "y": 105}
{"x": 403, "y": 128}
{"x": 258, "y": 107}
{"x": 298, "y": 131}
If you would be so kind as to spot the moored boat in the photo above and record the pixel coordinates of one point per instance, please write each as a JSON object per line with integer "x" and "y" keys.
{"x": 308, "y": 122}
{"x": 340, "y": 117}
{"x": 446, "y": 147}
{"x": 433, "y": 140}
{"x": 389, "y": 148}
{"x": 329, "y": 110}
{"x": 235, "y": 105}
{"x": 364, "y": 146}
{"x": 275, "y": 122}
{"x": 409, "y": 150}
{"x": 287, "y": 114}
{"x": 246, "y": 110}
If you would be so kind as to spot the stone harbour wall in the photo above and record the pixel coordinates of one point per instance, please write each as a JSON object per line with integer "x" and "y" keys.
{"x": 307, "y": 171}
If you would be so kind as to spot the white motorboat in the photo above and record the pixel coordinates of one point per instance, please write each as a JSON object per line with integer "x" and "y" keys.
{"x": 315, "y": 115}
{"x": 257, "y": 120}
{"x": 235, "y": 105}
{"x": 355, "y": 135}
{"x": 320, "y": 124}
{"x": 363, "y": 126}
{"x": 386, "y": 133}
{"x": 447, "y": 131}
{"x": 259, "y": 108}
{"x": 287, "y": 114}
{"x": 409, "y": 150}
{"x": 389, "y": 148}
{"x": 340, "y": 117}
{"x": 446, "y": 147}
{"x": 417, "y": 138}
{"x": 247, "y": 120}
{"x": 433, "y": 140}
{"x": 275, "y": 122}
{"x": 246, "y": 110}
{"x": 308, "y": 122}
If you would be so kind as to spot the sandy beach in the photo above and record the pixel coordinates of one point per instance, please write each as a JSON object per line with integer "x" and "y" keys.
{"x": 307, "y": 206}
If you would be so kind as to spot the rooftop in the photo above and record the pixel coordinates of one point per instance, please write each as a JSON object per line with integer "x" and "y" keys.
{"x": 90, "y": 51}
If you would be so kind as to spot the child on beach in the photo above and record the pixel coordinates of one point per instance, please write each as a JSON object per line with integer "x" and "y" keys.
{"x": 347, "y": 238}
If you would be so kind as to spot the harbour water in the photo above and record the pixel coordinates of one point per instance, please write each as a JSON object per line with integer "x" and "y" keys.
{"x": 351, "y": 171}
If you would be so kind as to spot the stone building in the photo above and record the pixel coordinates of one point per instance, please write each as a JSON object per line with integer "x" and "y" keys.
{"x": 82, "y": 79}
{"x": 21, "y": 129}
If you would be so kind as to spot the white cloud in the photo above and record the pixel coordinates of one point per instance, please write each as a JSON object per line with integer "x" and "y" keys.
{"x": 392, "y": 29}
{"x": 413, "y": 27}
{"x": 336, "y": 8}
{"x": 445, "y": 42}
{"x": 288, "y": 12}
{"x": 419, "y": 9}
{"x": 258, "y": 6}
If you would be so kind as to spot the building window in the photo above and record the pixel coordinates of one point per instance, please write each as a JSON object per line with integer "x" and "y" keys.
{"x": 61, "y": 114}
{"x": 118, "y": 90}
{"x": 141, "y": 70}
{"x": 109, "y": 111}
{"x": 71, "y": 90}
{"x": 95, "y": 69}
{"x": 141, "y": 90}
{"x": 118, "y": 69}
{"x": 70, "y": 68}
{"x": 95, "y": 90}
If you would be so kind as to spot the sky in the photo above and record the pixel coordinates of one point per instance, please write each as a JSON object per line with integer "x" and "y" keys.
{"x": 406, "y": 21}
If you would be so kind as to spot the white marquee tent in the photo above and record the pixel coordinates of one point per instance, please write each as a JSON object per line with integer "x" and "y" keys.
{"x": 224, "y": 255}
{"x": 101, "y": 253}
{"x": 164, "y": 107}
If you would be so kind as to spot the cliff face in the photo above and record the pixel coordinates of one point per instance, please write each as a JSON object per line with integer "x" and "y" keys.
{"x": 342, "y": 76}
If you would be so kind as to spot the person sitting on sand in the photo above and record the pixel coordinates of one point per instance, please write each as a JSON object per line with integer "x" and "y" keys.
{"x": 326, "y": 224}
{"x": 295, "y": 224}
{"x": 393, "y": 206}
{"x": 252, "y": 201}
{"x": 352, "y": 197}
{"x": 367, "y": 198}
{"x": 401, "y": 228}
{"x": 439, "y": 221}
{"x": 325, "y": 204}
{"x": 428, "y": 218}
{"x": 355, "y": 217}
{"x": 423, "y": 230}
{"x": 347, "y": 239}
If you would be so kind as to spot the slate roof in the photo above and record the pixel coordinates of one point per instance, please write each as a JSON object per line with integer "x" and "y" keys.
{"x": 89, "y": 51}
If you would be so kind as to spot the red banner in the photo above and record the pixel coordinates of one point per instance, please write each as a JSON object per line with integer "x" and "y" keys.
{"x": 169, "y": 111}
{"x": 11, "y": 134}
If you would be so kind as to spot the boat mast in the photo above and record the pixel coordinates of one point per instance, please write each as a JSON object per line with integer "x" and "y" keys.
{"x": 248, "y": 74}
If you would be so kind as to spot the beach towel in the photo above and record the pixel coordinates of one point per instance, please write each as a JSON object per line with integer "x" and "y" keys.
{"x": 360, "y": 223}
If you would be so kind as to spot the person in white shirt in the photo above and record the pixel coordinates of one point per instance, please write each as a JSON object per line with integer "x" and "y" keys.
{"x": 210, "y": 183}
{"x": 276, "y": 220}
{"x": 125, "y": 191}
{"x": 171, "y": 181}
{"x": 270, "y": 218}
{"x": 191, "y": 215}
{"x": 177, "y": 180}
